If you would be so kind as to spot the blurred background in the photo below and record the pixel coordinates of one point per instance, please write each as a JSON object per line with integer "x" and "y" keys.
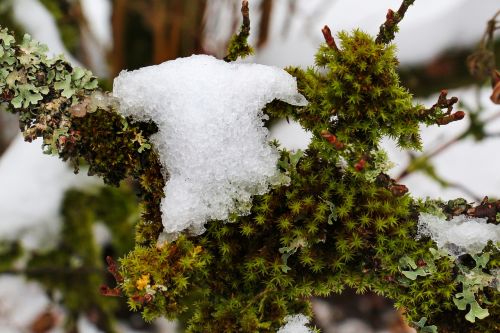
{"x": 56, "y": 228}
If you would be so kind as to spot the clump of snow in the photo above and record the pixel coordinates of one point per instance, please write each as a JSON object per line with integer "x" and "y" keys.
{"x": 211, "y": 137}
{"x": 460, "y": 235}
{"x": 295, "y": 324}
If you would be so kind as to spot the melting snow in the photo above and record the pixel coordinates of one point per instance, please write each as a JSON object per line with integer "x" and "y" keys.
{"x": 211, "y": 136}
{"x": 295, "y": 324}
{"x": 460, "y": 235}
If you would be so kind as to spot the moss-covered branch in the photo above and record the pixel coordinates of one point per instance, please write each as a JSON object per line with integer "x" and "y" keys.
{"x": 238, "y": 45}
{"x": 340, "y": 223}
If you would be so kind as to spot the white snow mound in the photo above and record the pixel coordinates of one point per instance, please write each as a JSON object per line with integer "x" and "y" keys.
{"x": 460, "y": 235}
{"x": 295, "y": 324}
{"x": 211, "y": 137}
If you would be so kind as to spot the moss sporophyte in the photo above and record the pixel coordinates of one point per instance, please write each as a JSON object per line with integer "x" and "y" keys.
{"x": 338, "y": 221}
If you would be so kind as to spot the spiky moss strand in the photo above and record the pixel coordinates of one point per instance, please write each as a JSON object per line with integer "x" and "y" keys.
{"x": 63, "y": 106}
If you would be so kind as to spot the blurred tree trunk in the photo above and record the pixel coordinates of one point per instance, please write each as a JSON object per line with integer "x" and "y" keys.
{"x": 150, "y": 32}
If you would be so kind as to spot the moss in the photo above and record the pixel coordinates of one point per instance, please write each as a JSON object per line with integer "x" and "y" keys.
{"x": 340, "y": 223}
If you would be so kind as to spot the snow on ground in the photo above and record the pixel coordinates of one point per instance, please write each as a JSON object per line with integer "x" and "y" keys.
{"x": 21, "y": 302}
{"x": 428, "y": 28}
{"x": 97, "y": 35}
{"x": 32, "y": 186}
{"x": 460, "y": 235}
{"x": 211, "y": 138}
{"x": 295, "y": 324}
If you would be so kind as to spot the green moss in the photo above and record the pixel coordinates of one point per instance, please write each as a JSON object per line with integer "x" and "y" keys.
{"x": 340, "y": 222}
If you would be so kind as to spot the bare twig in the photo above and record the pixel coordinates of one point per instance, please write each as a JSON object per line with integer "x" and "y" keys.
{"x": 389, "y": 28}
{"x": 449, "y": 144}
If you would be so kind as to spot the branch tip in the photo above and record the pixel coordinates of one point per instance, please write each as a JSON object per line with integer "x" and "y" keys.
{"x": 389, "y": 28}
{"x": 330, "y": 41}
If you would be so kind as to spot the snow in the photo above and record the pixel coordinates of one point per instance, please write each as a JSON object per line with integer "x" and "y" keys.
{"x": 295, "y": 324}
{"x": 85, "y": 326}
{"x": 211, "y": 136}
{"x": 290, "y": 134}
{"x": 32, "y": 186}
{"x": 18, "y": 311}
{"x": 460, "y": 235}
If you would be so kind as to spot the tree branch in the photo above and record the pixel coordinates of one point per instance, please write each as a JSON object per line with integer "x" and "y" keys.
{"x": 238, "y": 45}
{"x": 389, "y": 28}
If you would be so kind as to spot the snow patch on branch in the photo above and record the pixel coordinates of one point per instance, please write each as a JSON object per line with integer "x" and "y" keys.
{"x": 211, "y": 137}
{"x": 460, "y": 235}
{"x": 295, "y": 324}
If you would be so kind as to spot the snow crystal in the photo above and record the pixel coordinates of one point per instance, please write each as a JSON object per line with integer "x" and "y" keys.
{"x": 211, "y": 137}
{"x": 460, "y": 235}
{"x": 295, "y": 324}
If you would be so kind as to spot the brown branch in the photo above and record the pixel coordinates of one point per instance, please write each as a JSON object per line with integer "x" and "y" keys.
{"x": 113, "y": 269}
{"x": 447, "y": 145}
{"x": 330, "y": 41}
{"x": 389, "y": 28}
{"x": 238, "y": 46}
{"x": 118, "y": 27}
{"x": 444, "y": 102}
